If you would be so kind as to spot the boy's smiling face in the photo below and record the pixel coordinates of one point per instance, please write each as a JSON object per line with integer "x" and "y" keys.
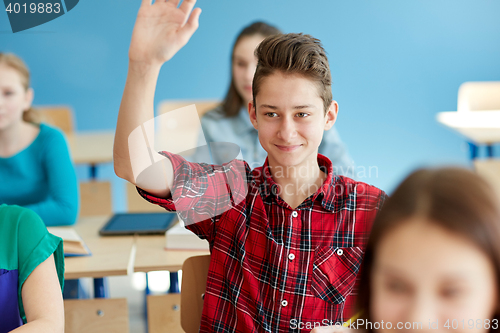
{"x": 290, "y": 119}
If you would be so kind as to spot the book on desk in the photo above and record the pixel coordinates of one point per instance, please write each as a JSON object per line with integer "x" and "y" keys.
{"x": 180, "y": 238}
{"x": 73, "y": 244}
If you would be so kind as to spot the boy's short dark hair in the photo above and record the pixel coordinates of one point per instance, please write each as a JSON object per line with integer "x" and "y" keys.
{"x": 294, "y": 54}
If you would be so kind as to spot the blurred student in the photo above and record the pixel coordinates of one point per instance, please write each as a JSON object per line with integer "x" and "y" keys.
{"x": 36, "y": 171}
{"x": 31, "y": 274}
{"x": 432, "y": 261}
{"x": 229, "y": 122}
{"x": 287, "y": 238}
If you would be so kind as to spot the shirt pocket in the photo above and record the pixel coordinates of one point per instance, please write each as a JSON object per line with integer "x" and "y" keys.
{"x": 334, "y": 272}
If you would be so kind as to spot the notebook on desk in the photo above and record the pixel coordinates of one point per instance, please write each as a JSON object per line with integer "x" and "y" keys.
{"x": 73, "y": 244}
{"x": 180, "y": 238}
{"x": 138, "y": 223}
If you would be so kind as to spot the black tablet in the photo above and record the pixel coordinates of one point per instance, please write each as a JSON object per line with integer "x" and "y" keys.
{"x": 139, "y": 223}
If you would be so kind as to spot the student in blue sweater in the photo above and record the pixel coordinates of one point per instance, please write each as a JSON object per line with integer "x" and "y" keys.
{"x": 35, "y": 167}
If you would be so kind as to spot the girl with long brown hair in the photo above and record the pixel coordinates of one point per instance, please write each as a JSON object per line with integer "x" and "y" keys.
{"x": 433, "y": 257}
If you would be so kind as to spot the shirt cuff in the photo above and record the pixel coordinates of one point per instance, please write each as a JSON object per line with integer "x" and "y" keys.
{"x": 167, "y": 203}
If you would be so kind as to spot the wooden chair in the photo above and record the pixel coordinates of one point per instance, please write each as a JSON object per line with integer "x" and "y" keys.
{"x": 96, "y": 316}
{"x": 137, "y": 204}
{"x": 164, "y": 313}
{"x": 179, "y": 134}
{"x": 95, "y": 198}
{"x": 194, "y": 283}
{"x": 202, "y": 105}
{"x": 163, "y": 310}
{"x": 479, "y": 96}
{"x": 58, "y": 116}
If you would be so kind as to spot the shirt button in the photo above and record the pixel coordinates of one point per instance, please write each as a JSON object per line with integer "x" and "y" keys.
{"x": 274, "y": 189}
{"x": 291, "y": 256}
{"x": 294, "y": 214}
{"x": 340, "y": 252}
{"x": 284, "y": 302}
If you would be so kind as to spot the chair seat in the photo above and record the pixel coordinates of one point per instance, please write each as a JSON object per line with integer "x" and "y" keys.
{"x": 96, "y": 316}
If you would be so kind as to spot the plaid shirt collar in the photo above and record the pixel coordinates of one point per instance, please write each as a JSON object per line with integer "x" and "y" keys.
{"x": 269, "y": 189}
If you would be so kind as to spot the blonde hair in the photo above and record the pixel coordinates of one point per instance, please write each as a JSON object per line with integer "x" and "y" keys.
{"x": 16, "y": 63}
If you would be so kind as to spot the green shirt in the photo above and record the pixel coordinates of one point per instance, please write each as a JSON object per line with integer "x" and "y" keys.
{"x": 24, "y": 244}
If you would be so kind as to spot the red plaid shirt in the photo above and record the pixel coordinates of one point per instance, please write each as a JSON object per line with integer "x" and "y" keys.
{"x": 274, "y": 268}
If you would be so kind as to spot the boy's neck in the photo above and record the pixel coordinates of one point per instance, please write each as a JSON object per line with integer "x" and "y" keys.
{"x": 296, "y": 183}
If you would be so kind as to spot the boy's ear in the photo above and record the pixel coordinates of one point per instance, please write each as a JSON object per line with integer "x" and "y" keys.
{"x": 331, "y": 115}
{"x": 253, "y": 114}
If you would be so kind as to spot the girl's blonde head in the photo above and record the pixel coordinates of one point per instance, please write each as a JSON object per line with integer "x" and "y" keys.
{"x": 12, "y": 61}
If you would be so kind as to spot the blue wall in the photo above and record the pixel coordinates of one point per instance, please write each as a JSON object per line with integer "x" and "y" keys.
{"x": 395, "y": 64}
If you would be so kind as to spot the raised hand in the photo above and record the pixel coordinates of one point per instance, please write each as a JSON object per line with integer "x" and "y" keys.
{"x": 162, "y": 29}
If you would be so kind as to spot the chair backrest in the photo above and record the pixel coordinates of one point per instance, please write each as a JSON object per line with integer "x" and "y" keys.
{"x": 58, "y": 116}
{"x": 96, "y": 316}
{"x": 137, "y": 204}
{"x": 202, "y": 105}
{"x": 95, "y": 198}
{"x": 479, "y": 96}
{"x": 179, "y": 134}
{"x": 194, "y": 283}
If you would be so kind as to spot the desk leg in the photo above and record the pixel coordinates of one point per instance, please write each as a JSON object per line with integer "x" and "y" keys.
{"x": 174, "y": 283}
{"x": 473, "y": 151}
{"x": 72, "y": 289}
{"x": 101, "y": 289}
{"x": 93, "y": 171}
{"x": 147, "y": 291}
{"x": 489, "y": 150}
{"x": 174, "y": 288}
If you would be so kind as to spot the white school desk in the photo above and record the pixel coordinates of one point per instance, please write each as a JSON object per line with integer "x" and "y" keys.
{"x": 110, "y": 255}
{"x": 120, "y": 255}
{"x": 151, "y": 255}
{"x": 481, "y": 127}
{"x": 92, "y": 147}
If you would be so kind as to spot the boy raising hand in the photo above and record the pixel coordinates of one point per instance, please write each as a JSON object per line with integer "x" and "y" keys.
{"x": 286, "y": 239}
